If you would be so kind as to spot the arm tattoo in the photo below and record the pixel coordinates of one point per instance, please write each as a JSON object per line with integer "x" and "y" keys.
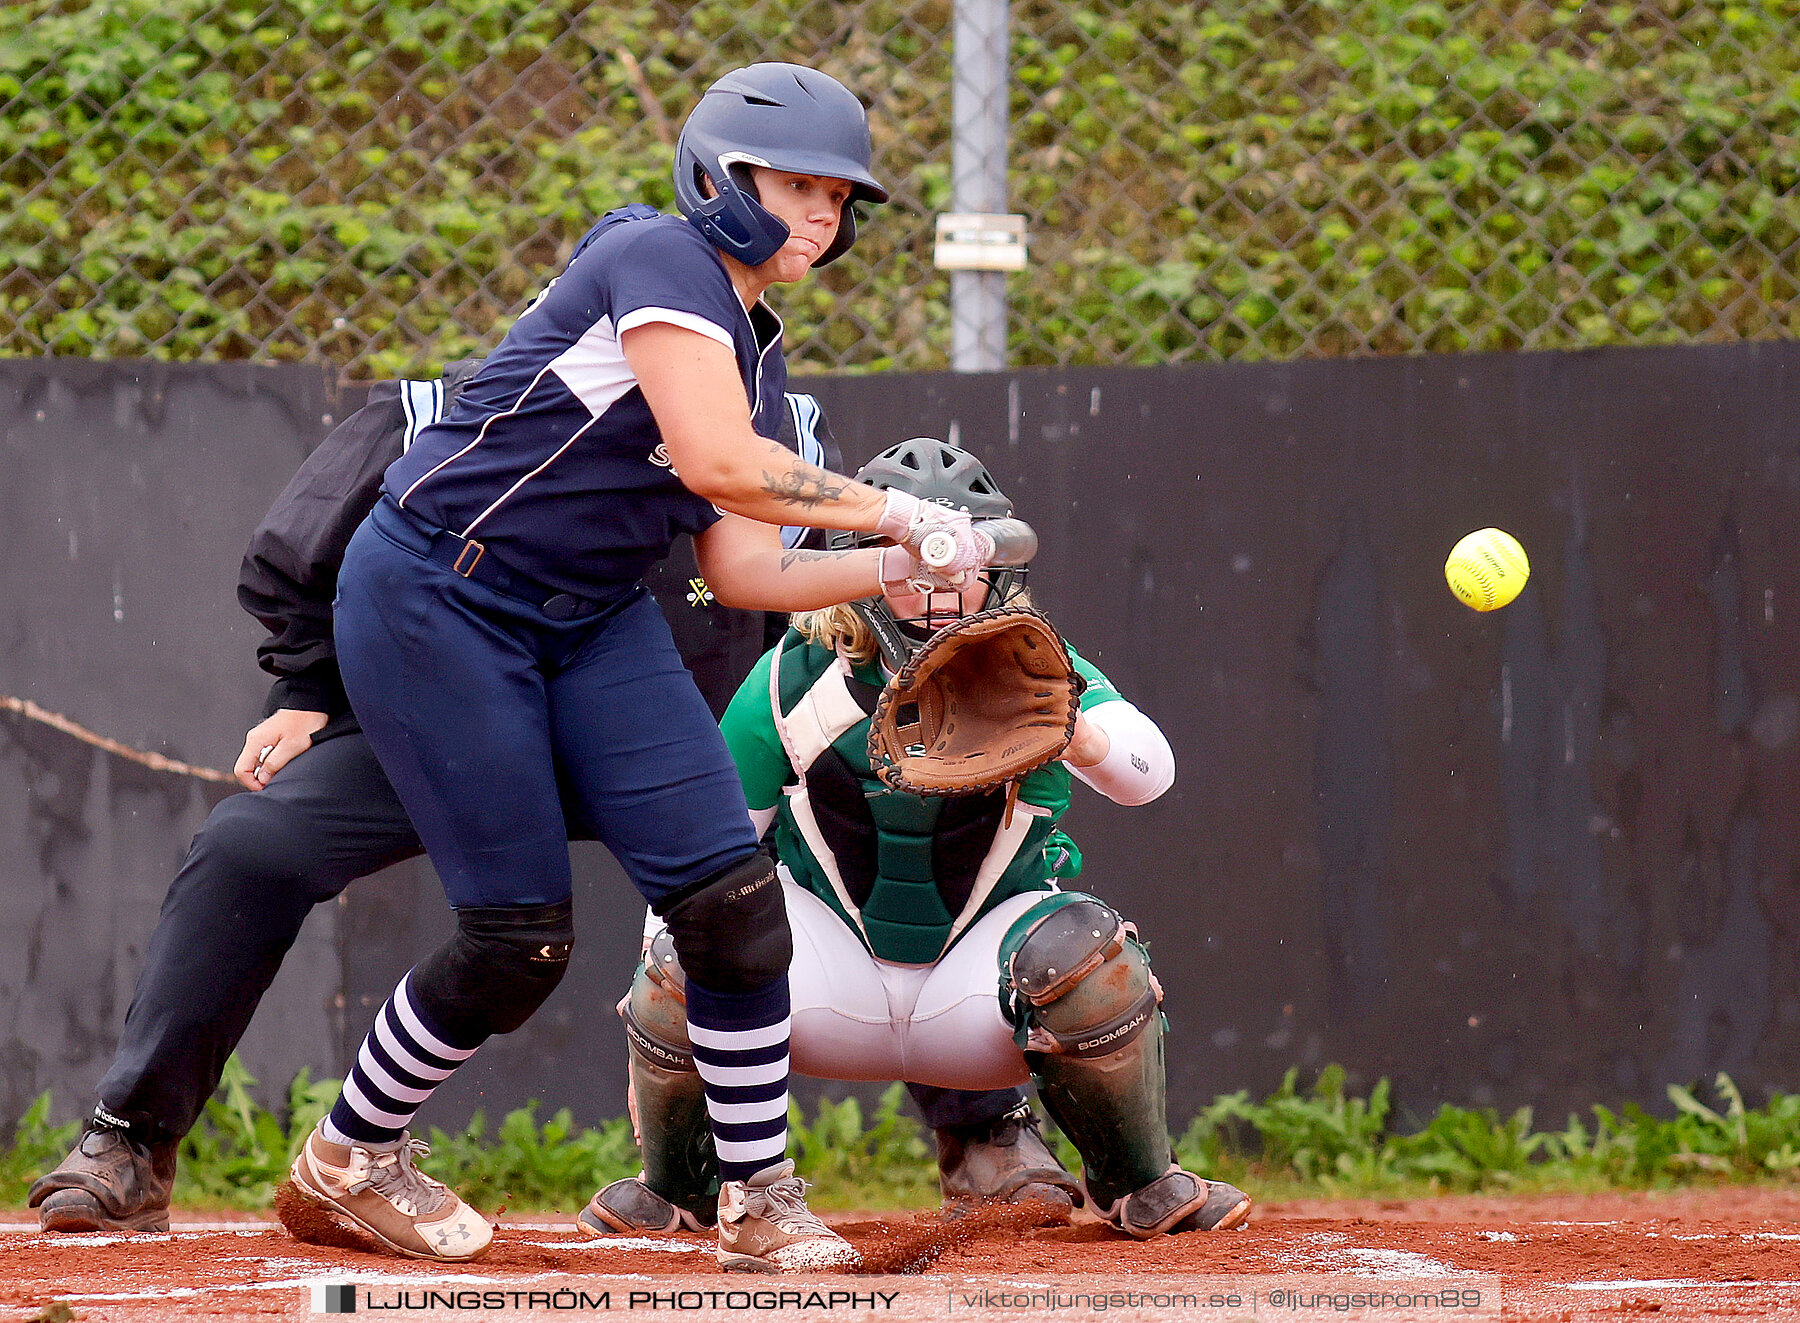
{"x": 801, "y": 555}
{"x": 804, "y": 484}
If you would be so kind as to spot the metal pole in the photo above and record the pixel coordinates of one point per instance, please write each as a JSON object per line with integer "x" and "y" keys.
{"x": 980, "y": 74}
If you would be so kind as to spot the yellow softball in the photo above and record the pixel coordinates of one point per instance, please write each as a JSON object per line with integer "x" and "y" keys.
{"x": 1487, "y": 569}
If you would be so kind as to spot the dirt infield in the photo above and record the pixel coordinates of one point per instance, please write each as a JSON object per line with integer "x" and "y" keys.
{"x": 1719, "y": 1254}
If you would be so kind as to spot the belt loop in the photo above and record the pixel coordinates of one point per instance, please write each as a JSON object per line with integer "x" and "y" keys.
{"x": 480, "y": 551}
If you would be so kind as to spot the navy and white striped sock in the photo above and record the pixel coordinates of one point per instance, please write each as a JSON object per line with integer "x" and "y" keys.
{"x": 741, "y": 1049}
{"x": 404, "y": 1058}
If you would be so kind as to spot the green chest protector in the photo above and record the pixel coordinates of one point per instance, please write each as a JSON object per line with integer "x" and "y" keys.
{"x": 908, "y": 873}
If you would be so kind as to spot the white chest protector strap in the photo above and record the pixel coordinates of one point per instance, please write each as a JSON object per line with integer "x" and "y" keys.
{"x": 824, "y": 712}
{"x": 822, "y": 715}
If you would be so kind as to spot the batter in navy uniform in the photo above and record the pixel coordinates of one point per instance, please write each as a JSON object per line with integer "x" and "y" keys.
{"x": 498, "y": 647}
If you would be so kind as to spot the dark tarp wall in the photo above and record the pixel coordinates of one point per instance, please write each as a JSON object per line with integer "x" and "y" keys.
{"x": 1544, "y": 856}
{"x": 127, "y": 493}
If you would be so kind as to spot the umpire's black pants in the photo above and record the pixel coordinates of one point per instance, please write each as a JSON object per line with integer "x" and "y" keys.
{"x": 256, "y": 868}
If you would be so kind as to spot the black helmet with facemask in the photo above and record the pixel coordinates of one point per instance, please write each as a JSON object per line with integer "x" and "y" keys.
{"x": 947, "y": 475}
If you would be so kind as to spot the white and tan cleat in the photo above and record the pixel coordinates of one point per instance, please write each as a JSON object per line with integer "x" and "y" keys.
{"x": 378, "y": 1188}
{"x": 765, "y": 1226}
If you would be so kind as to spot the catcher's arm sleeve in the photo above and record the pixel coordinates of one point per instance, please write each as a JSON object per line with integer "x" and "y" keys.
{"x": 1139, "y": 766}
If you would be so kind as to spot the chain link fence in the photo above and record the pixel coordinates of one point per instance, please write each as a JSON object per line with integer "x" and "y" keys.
{"x": 382, "y": 184}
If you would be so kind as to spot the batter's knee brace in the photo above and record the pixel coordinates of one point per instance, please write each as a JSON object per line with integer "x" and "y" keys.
{"x": 731, "y": 930}
{"x": 1079, "y": 983}
{"x": 498, "y": 969}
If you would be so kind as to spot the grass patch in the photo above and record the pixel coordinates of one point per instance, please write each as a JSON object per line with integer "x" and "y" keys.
{"x": 1318, "y": 1142}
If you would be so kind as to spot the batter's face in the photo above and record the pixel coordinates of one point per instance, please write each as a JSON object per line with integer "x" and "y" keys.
{"x": 811, "y": 206}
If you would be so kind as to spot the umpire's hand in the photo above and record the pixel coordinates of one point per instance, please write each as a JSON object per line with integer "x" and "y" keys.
{"x": 273, "y": 743}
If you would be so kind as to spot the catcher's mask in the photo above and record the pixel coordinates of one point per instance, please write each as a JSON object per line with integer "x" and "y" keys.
{"x": 786, "y": 117}
{"x": 932, "y": 470}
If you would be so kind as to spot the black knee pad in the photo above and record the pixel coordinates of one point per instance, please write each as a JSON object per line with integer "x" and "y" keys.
{"x": 497, "y": 970}
{"x": 731, "y": 929}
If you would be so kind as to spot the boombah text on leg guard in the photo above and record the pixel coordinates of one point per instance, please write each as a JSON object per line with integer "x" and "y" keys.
{"x": 1086, "y": 1009}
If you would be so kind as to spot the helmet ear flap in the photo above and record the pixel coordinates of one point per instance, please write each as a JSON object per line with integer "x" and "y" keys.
{"x": 731, "y": 218}
{"x": 846, "y": 235}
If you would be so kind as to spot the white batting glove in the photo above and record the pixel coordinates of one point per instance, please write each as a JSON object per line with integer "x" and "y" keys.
{"x": 909, "y": 521}
{"x": 901, "y": 572}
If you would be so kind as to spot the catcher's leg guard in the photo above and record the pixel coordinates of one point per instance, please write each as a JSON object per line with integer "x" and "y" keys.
{"x": 679, "y": 1187}
{"x": 1086, "y": 1006}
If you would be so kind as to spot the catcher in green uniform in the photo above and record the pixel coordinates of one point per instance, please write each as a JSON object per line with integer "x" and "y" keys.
{"x": 933, "y": 941}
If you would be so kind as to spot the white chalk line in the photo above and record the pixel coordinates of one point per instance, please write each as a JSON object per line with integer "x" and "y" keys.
{"x": 1674, "y": 1284}
{"x": 214, "y": 1228}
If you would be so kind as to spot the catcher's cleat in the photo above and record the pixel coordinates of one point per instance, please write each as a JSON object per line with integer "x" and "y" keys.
{"x": 1003, "y": 1162}
{"x": 109, "y": 1182}
{"x": 765, "y": 1226}
{"x": 1174, "y": 1202}
{"x": 378, "y": 1188}
{"x": 630, "y": 1207}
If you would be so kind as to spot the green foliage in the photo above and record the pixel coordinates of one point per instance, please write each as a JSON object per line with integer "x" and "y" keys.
{"x": 36, "y": 1147}
{"x": 1318, "y": 1142}
{"x": 525, "y": 1165}
{"x": 884, "y": 1165}
{"x": 1327, "y": 1142}
{"x": 239, "y": 1153}
{"x": 385, "y": 185}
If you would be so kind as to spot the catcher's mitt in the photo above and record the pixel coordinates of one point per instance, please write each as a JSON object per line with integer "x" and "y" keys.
{"x": 983, "y": 702}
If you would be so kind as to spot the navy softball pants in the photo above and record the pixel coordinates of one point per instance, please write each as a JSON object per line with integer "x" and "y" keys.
{"x": 485, "y": 712}
{"x": 253, "y": 873}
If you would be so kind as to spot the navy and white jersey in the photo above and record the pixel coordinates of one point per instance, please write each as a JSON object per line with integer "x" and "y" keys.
{"x": 550, "y": 456}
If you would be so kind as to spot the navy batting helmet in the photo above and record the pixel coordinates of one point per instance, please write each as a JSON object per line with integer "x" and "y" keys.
{"x": 786, "y": 117}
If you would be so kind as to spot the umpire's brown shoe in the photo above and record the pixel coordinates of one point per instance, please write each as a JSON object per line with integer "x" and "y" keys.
{"x": 378, "y": 1188}
{"x": 109, "y": 1182}
{"x": 765, "y": 1226}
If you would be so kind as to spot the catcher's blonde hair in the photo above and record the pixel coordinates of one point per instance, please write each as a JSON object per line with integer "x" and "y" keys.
{"x": 840, "y": 629}
{"x": 848, "y": 634}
